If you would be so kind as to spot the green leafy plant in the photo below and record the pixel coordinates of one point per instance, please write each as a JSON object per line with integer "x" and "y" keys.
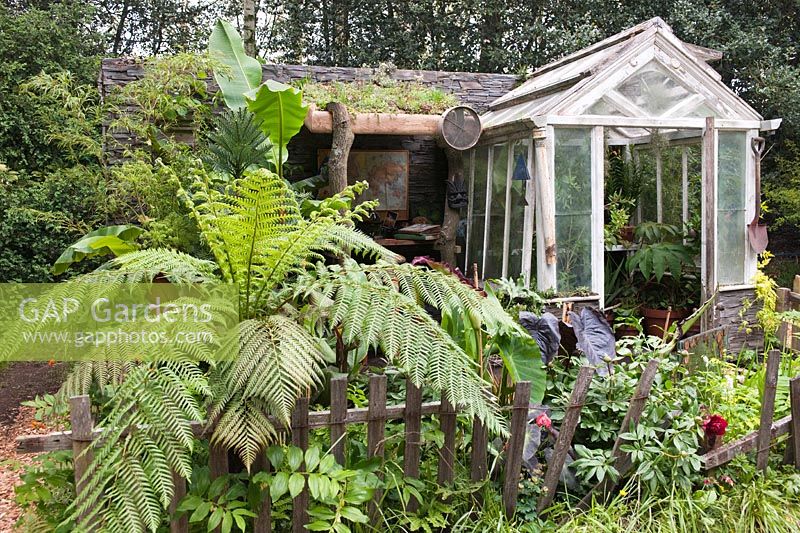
{"x": 278, "y": 108}
{"x": 45, "y": 493}
{"x": 110, "y": 240}
{"x": 236, "y": 144}
{"x": 218, "y": 503}
{"x": 337, "y": 493}
{"x": 241, "y": 73}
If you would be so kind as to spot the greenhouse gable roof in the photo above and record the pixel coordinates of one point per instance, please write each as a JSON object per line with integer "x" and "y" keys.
{"x": 643, "y": 72}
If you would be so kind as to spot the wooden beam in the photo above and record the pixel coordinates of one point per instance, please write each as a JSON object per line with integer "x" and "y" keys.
{"x": 446, "y": 243}
{"x": 709, "y": 220}
{"x": 376, "y": 123}
{"x": 62, "y": 440}
{"x": 80, "y": 416}
{"x": 636, "y": 122}
{"x": 545, "y": 212}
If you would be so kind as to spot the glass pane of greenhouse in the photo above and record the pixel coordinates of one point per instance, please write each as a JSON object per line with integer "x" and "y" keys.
{"x": 493, "y": 267}
{"x": 648, "y": 199}
{"x": 478, "y": 207}
{"x": 573, "y": 198}
{"x": 731, "y": 226}
{"x": 517, "y": 215}
{"x": 672, "y": 185}
{"x": 653, "y": 89}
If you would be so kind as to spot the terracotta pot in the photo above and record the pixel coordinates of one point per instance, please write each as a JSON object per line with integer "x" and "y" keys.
{"x": 625, "y": 331}
{"x": 655, "y": 320}
{"x": 627, "y": 233}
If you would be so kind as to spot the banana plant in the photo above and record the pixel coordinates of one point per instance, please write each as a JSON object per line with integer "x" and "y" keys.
{"x": 278, "y": 108}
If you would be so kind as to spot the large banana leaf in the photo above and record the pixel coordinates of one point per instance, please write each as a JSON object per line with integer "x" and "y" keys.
{"x": 116, "y": 240}
{"x": 242, "y": 73}
{"x": 280, "y": 110}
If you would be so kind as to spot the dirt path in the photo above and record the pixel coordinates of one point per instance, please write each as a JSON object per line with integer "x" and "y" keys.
{"x": 20, "y": 382}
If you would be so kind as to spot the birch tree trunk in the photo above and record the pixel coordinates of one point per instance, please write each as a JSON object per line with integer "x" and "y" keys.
{"x": 249, "y": 9}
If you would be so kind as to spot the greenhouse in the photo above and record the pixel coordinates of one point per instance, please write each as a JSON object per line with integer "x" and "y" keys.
{"x": 641, "y": 109}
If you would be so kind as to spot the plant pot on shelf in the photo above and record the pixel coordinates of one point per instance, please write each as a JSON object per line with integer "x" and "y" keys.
{"x": 657, "y": 320}
{"x": 627, "y": 233}
{"x": 625, "y": 331}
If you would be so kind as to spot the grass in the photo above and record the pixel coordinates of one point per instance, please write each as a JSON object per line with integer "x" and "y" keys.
{"x": 370, "y": 97}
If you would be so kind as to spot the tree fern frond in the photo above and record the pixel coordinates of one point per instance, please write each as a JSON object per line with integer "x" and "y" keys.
{"x": 410, "y": 338}
{"x": 142, "y": 266}
{"x": 349, "y": 241}
{"x": 130, "y": 477}
{"x": 278, "y": 361}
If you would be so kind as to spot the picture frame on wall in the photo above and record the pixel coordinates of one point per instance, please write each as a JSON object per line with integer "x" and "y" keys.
{"x": 386, "y": 171}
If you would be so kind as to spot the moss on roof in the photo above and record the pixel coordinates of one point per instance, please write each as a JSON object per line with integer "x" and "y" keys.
{"x": 371, "y": 97}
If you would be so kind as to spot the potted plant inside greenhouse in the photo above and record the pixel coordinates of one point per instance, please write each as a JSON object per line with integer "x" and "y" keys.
{"x": 664, "y": 268}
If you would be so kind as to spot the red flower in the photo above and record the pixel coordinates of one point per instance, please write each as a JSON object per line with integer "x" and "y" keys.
{"x": 715, "y": 426}
{"x": 543, "y": 421}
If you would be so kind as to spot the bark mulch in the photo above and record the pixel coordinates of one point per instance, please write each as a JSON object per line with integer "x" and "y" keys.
{"x": 20, "y": 382}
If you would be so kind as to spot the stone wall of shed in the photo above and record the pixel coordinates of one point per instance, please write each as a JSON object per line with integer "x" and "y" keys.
{"x": 743, "y": 330}
{"x": 428, "y": 165}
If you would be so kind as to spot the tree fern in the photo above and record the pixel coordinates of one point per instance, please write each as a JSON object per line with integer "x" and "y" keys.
{"x": 262, "y": 239}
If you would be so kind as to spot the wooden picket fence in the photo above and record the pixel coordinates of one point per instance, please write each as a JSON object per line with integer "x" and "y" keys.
{"x": 411, "y": 412}
{"x": 789, "y": 299}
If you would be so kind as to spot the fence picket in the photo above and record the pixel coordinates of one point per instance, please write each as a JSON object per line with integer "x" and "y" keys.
{"x": 794, "y": 443}
{"x": 80, "y": 415}
{"x": 519, "y": 418}
{"x": 413, "y": 424}
{"x": 447, "y": 455}
{"x": 262, "y": 523}
{"x": 565, "y": 434}
{"x": 376, "y": 427}
{"x": 767, "y": 409}
{"x": 338, "y": 416}
{"x": 478, "y": 455}
{"x": 300, "y": 439}
{"x": 181, "y": 524}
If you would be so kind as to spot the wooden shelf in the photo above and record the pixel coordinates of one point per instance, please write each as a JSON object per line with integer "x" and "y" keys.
{"x": 389, "y": 243}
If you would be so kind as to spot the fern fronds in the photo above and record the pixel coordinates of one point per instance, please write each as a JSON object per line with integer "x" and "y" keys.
{"x": 382, "y": 317}
{"x": 143, "y": 266}
{"x": 147, "y": 434}
{"x": 278, "y": 361}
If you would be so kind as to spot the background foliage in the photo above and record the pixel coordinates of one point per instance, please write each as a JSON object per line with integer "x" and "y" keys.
{"x": 759, "y": 41}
